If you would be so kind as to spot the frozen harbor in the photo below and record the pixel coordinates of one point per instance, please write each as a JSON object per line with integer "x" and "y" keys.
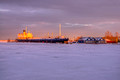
{"x": 37, "y": 61}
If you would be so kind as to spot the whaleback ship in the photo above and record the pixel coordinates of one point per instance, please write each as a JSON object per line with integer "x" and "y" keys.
{"x": 28, "y": 37}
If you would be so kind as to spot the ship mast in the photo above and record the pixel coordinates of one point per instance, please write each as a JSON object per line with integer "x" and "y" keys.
{"x": 52, "y": 34}
{"x": 48, "y": 35}
{"x": 26, "y": 29}
{"x": 59, "y": 30}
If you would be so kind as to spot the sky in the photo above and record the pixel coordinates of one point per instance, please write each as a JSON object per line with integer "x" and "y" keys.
{"x": 77, "y": 17}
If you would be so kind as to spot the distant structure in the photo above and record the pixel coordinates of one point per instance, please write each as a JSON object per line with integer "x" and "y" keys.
{"x": 117, "y": 34}
{"x": 108, "y": 34}
{"x": 48, "y": 35}
{"x": 87, "y": 40}
{"x": 25, "y": 35}
{"x": 77, "y": 39}
{"x": 59, "y": 30}
{"x": 100, "y": 40}
{"x": 109, "y": 38}
{"x": 52, "y": 34}
{"x": 26, "y": 29}
{"x": 60, "y": 33}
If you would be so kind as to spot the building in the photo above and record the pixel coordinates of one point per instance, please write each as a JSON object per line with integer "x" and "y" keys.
{"x": 87, "y": 40}
{"x": 100, "y": 40}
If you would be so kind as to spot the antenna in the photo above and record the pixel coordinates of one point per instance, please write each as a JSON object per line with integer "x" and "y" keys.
{"x": 59, "y": 30}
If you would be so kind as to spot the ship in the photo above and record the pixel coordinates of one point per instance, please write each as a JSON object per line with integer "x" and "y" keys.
{"x": 109, "y": 38}
{"x": 26, "y": 36}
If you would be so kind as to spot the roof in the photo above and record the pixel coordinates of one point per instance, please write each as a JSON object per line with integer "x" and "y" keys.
{"x": 86, "y": 38}
{"x": 99, "y": 38}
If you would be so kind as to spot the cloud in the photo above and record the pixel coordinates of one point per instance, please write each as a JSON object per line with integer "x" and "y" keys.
{"x": 82, "y": 15}
{"x": 4, "y": 10}
{"x": 77, "y": 25}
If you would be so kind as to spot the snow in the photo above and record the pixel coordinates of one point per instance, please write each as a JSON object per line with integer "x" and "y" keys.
{"x": 44, "y": 61}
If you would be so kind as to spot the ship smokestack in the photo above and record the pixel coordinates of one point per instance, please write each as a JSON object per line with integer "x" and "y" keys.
{"x": 24, "y": 31}
{"x": 59, "y": 30}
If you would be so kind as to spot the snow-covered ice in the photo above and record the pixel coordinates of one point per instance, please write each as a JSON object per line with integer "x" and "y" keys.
{"x": 41, "y": 61}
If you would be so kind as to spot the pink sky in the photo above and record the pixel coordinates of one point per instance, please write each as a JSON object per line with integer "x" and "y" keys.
{"x": 78, "y": 17}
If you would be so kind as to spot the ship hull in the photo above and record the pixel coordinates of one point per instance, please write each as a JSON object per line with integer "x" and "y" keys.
{"x": 56, "y": 40}
{"x": 111, "y": 41}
